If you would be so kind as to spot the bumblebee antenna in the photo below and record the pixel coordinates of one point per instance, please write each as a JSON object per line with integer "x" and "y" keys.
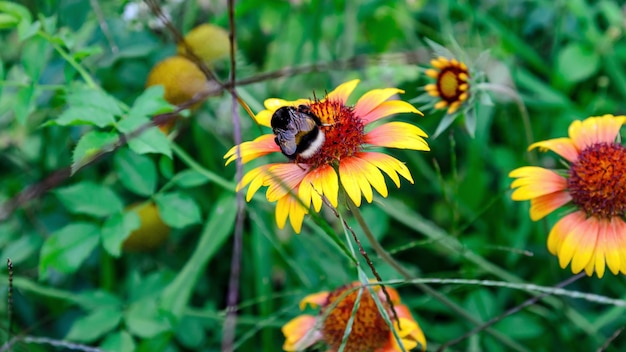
{"x": 10, "y": 299}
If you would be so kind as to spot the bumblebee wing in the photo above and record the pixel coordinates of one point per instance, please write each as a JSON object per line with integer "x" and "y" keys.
{"x": 305, "y": 124}
{"x": 287, "y": 145}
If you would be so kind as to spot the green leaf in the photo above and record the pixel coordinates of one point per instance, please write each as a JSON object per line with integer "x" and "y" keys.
{"x": 577, "y": 62}
{"x": 34, "y": 57}
{"x": 84, "y": 115}
{"x": 24, "y": 248}
{"x": 150, "y": 140}
{"x": 222, "y": 219}
{"x": 66, "y": 249}
{"x": 151, "y": 102}
{"x": 97, "y": 99}
{"x": 95, "y": 299}
{"x": 145, "y": 320}
{"x": 8, "y": 21}
{"x": 190, "y": 178}
{"x": 19, "y": 12}
{"x": 190, "y": 332}
{"x": 177, "y": 209}
{"x": 90, "y": 198}
{"x": 120, "y": 341}
{"x": 23, "y": 103}
{"x": 94, "y": 325}
{"x": 89, "y": 145}
{"x": 116, "y": 229}
{"x": 137, "y": 172}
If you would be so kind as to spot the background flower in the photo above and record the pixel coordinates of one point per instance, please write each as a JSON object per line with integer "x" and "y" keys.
{"x": 593, "y": 234}
{"x": 369, "y": 331}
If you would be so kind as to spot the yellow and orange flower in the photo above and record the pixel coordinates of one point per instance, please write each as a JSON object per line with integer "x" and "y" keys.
{"x": 452, "y": 83}
{"x": 369, "y": 331}
{"x": 593, "y": 234}
{"x": 341, "y": 159}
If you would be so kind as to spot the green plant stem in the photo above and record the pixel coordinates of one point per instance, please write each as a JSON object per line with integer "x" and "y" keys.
{"x": 384, "y": 255}
{"x": 66, "y": 56}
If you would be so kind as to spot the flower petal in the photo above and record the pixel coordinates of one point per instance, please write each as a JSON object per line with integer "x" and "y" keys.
{"x": 253, "y": 149}
{"x": 256, "y": 177}
{"x": 398, "y": 135}
{"x": 353, "y": 179}
{"x": 388, "y": 164}
{"x": 290, "y": 206}
{"x": 579, "y": 245}
{"x": 300, "y": 333}
{"x": 596, "y": 129}
{"x": 544, "y": 205}
{"x": 561, "y": 230}
{"x": 314, "y": 300}
{"x": 387, "y": 108}
{"x": 533, "y": 181}
{"x": 283, "y": 179}
{"x": 343, "y": 91}
{"x": 370, "y": 100}
{"x": 321, "y": 181}
{"x": 562, "y": 146}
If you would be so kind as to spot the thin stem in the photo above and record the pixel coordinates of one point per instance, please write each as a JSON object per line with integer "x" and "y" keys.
{"x": 67, "y": 57}
{"x": 384, "y": 255}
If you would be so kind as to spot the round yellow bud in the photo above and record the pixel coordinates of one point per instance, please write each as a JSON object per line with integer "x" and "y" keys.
{"x": 152, "y": 233}
{"x": 210, "y": 43}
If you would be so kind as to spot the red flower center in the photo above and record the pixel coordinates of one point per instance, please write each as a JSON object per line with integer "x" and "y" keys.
{"x": 369, "y": 330}
{"x": 597, "y": 181}
{"x": 449, "y": 82}
{"x": 344, "y": 133}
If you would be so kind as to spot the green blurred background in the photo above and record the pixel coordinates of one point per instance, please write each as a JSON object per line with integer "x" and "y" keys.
{"x": 566, "y": 60}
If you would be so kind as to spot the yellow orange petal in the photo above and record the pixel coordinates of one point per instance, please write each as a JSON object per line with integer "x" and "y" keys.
{"x": 398, "y": 135}
{"x": 388, "y": 108}
{"x": 354, "y": 180}
{"x": 441, "y": 104}
{"x": 343, "y": 91}
{"x": 546, "y": 204}
{"x": 290, "y": 207}
{"x": 322, "y": 181}
{"x": 272, "y": 104}
{"x": 262, "y": 145}
{"x": 432, "y": 73}
{"x": 389, "y": 165}
{"x": 533, "y": 181}
{"x": 300, "y": 333}
{"x": 579, "y": 245}
{"x": 614, "y": 244}
{"x": 370, "y": 100}
{"x": 597, "y": 129}
{"x": 314, "y": 300}
{"x": 264, "y": 118}
{"x": 562, "y": 146}
{"x": 561, "y": 230}
{"x": 283, "y": 179}
{"x": 256, "y": 179}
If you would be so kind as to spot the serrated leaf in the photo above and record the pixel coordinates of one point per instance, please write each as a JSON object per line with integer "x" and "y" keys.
{"x": 120, "y": 341}
{"x": 144, "y": 319}
{"x": 97, "y": 99}
{"x": 116, "y": 229}
{"x": 89, "y": 145}
{"x": 66, "y": 249}
{"x": 34, "y": 57}
{"x": 150, "y": 140}
{"x": 23, "y": 103}
{"x": 90, "y": 198}
{"x": 577, "y": 62}
{"x": 25, "y": 247}
{"x": 94, "y": 325}
{"x": 177, "y": 209}
{"x": 190, "y": 178}
{"x": 137, "y": 172}
{"x": 85, "y": 115}
{"x": 150, "y": 102}
{"x": 95, "y": 299}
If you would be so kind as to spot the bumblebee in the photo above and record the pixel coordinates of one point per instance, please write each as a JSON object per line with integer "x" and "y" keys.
{"x": 297, "y": 131}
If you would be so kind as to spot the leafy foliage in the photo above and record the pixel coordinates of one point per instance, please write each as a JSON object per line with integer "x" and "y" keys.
{"x": 73, "y": 97}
